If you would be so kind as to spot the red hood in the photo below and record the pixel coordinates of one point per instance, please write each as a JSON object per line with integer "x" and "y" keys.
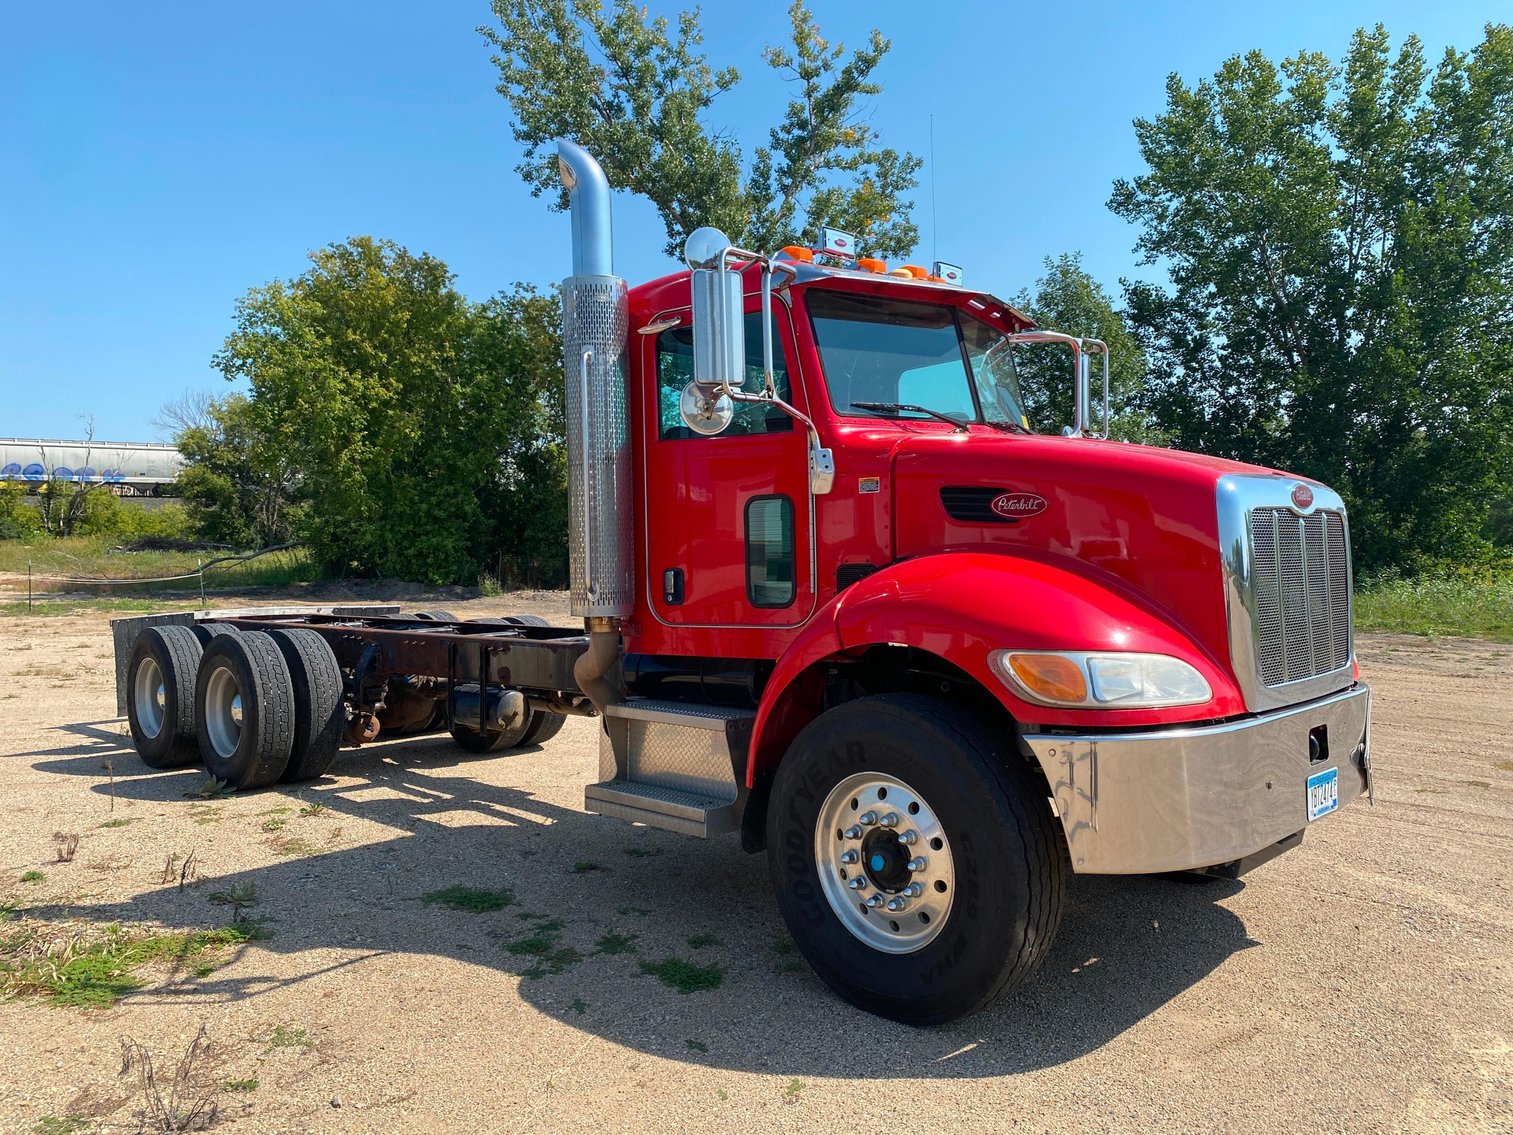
{"x": 1147, "y": 517}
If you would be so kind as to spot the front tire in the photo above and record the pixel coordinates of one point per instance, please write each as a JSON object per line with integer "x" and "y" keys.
{"x": 915, "y": 860}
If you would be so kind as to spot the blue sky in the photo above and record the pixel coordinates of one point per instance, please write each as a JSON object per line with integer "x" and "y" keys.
{"x": 157, "y": 160}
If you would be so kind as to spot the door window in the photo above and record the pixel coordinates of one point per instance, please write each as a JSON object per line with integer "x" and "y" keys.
{"x": 675, "y": 371}
{"x": 770, "y": 558}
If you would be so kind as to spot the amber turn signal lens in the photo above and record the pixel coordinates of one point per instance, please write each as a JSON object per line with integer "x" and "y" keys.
{"x": 795, "y": 252}
{"x": 1050, "y": 676}
{"x": 867, "y": 265}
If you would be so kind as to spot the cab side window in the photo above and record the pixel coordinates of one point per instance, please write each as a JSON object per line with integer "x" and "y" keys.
{"x": 675, "y": 371}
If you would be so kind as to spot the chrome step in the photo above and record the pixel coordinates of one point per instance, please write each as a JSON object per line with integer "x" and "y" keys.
{"x": 686, "y": 812}
{"x": 673, "y": 765}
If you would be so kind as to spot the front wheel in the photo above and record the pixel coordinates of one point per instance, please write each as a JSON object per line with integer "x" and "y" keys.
{"x": 915, "y": 859}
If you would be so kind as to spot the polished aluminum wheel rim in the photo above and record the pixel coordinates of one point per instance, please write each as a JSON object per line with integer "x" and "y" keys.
{"x": 223, "y": 711}
{"x": 884, "y": 863}
{"x": 150, "y": 697}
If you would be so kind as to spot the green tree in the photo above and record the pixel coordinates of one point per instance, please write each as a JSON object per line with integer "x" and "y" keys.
{"x": 238, "y": 480}
{"x": 634, "y": 92}
{"x": 404, "y": 407}
{"x": 1069, "y": 300}
{"x": 1339, "y": 241}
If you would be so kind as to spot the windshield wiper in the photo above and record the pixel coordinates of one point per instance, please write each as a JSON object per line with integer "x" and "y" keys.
{"x": 901, "y": 407}
{"x": 1007, "y": 427}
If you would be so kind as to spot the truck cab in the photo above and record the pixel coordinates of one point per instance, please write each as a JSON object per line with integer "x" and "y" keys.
{"x": 847, "y": 565}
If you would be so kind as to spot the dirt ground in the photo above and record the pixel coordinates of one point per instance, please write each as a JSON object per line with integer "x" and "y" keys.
{"x": 1359, "y": 983}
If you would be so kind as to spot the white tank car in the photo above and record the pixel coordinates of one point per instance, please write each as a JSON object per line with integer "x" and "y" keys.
{"x": 142, "y": 464}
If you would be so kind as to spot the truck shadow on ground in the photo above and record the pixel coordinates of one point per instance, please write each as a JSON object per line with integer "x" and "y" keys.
{"x": 590, "y": 901}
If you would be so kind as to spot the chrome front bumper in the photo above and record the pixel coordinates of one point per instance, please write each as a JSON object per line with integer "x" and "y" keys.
{"x": 1188, "y": 798}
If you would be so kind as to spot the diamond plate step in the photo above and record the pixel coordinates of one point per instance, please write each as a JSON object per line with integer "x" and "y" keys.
{"x": 673, "y": 765}
{"x": 667, "y": 808}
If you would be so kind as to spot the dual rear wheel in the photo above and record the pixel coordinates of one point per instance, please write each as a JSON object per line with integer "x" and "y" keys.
{"x": 255, "y": 708}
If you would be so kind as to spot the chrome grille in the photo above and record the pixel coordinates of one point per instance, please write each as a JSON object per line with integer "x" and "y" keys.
{"x": 1301, "y": 579}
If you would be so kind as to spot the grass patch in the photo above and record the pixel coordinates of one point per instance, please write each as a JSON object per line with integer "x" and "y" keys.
{"x": 33, "y": 877}
{"x": 685, "y": 976}
{"x": 47, "y": 607}
{"x": 701, "y": 941}
{"x": 580, "y": 1006}
{"x": 284, "y": 1037}
{"x": 471, "y": 899}
{"x": 247, "y": 1085}
{"x": 60, "y": 1125}
{"x": 696, "y": 1046}
{"x": 94, "y": 971}
{"x": 583, "y": 867}
{"x": 1467, "y": 607}
{"x": 96, "y": 558}
{"x": 119, "y": 822}
{"x": 616, "y": 943}
{"x": 291, "y": 848}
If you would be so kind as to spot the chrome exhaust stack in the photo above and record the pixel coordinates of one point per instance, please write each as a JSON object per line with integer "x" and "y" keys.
{"x": 594, "y": 328}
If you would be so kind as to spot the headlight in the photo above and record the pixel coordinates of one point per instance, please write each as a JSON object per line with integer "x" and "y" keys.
{"x": 1100, "y": 681}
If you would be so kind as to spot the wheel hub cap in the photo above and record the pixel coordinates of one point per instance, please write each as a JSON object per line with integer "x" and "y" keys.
{"x": 884, "y": 863}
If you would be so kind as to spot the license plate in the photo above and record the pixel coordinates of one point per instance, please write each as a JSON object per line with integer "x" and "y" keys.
{"x": 1323, "y": 793}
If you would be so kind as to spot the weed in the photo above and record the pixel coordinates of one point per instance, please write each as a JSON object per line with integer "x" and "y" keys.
{"x": 580, "y": 1006}
{"x": 188, "y": 1107}
{"x": 722, "y": 1093}
{"x": 701, "y": 941}
{"x": 67, "y": 846}
{"x": 238, "y": 897}
{"x": 616, "y": 943}
{"x": 119, "y": 822}
{"x": 489, "y": 586}
{"x": 284, "y": 1037}
{"x": 696, "y": 1046}
{"x": 791, "y": 1092}
{"x": 683, "y": 975}
{"x": 542, "y": 947}
{"x": 291, "y": 848}
{"x": 471, "y": 899}
{"x": 33, "y": 877}
{"x": 274, "y": 824}
{"x": 314, "y": 808}
{"x": 1473, "y": 604}
{"x": 53, "y": 1125}
{"x": 247, "y": 1085}
{"x": 214, "y": 789}
{"x": 583, "y": 867}
{"x": 642, "y": 852}
{"x": 203, "y": 814}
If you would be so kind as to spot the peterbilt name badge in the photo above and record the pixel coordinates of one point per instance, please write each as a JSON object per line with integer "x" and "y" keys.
{"x": 1017, "y": 505}
{"x": 1302, "y": 496}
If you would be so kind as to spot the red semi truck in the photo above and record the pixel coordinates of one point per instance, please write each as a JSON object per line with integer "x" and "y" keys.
{"x": 839, "y": 598}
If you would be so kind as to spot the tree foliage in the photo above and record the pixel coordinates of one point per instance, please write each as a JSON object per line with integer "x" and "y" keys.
{"x": 238, "y": 480}
{"x": 408, "y": 412}
{"x": 1339, "y": 240}
{"x": 1069, "y": 300}
{"x": 635, "y": 91}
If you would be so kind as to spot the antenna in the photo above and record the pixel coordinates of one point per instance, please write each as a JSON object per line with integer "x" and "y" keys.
{"x": 934, "y": 230}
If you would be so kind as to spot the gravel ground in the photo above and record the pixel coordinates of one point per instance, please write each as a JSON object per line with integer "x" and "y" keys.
{"x": 1359, "y": 983}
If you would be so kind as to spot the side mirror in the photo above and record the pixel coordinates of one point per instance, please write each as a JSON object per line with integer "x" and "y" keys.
{"x": 719, "y": 332}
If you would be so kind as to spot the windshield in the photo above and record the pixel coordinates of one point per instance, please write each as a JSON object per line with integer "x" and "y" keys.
{"x": 896, "y": 354}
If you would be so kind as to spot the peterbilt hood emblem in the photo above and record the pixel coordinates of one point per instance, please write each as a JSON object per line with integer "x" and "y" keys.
{"x": 1302, "y": 496}
{"x": 1018, "y": 505}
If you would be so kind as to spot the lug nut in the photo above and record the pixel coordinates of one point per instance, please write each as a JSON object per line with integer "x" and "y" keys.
{"x": 850, "y": 856}
{"x": 857, "y": 883}
{"x": 867, "y": 819}
{"x": 910, "y": 838}
{"x": 853, "y": 832}
{"x": 913, "y": 891}
{"x": 898, "y": 904}
{"x": 875, "y": 901}
{"x": 915, "y": 864}
{"x": 890, "y": 820}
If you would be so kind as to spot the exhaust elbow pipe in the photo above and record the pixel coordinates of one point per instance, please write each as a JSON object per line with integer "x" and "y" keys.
{"x": 588, "y": 200}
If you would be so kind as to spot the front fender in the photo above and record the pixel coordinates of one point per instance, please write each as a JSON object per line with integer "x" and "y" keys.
{"x": 961, "y": 606}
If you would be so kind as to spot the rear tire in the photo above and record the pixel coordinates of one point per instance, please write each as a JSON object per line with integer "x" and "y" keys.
{"x": 244, "y": 701}
{"x": 318, "y": 717}
{"x": 992, "y": 865}
{"x": 207, "y": 631}
{"x": 543, "y": 727}
{"x": 160, "y": 674}
{"x": 437, "y": 616}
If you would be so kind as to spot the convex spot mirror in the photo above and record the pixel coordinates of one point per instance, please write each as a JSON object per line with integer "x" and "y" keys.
{"x": 719, "y": 332}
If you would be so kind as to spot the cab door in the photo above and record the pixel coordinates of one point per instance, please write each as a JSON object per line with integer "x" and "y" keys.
{"x": 727, "y": 519}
